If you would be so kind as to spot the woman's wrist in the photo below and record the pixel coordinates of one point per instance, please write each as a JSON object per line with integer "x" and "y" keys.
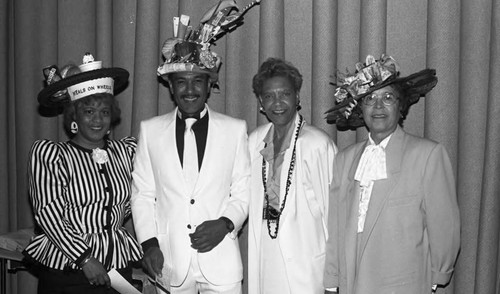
{"x": 85, "y": 261}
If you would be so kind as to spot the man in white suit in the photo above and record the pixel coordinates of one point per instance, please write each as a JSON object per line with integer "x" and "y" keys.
{"x": 187, "y": 221}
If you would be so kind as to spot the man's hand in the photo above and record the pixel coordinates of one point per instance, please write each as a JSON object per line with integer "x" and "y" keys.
{"x": 208, "y": 235}
{"x": 95, "y": 273}
{"x": 152, "y": 261}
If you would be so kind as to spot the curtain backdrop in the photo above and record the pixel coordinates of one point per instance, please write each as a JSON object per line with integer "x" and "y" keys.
{"x": 460, "y": 39}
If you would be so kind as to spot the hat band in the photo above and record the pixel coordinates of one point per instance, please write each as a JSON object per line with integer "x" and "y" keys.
{"x": 87, "y": 88}
{"x": 167, "y": 68}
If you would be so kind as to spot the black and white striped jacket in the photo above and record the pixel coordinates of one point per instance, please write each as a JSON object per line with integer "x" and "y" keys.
{"x": 81, "y": 205}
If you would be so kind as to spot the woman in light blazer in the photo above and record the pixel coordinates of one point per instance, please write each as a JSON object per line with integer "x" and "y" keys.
{"x": 394, "y": 221}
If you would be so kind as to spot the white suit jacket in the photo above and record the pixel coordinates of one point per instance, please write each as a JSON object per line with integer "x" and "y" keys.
{"x": 303, "y": 225}
{"x": 411, "y": 235}
{"x": 163, "y": 206}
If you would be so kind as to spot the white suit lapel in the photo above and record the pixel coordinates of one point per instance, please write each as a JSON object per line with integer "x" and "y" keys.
{"x": 283, "y": 183}
{"x": 285, "y": 168}
{"x": 257, "y": 203}
{"x": 169, "y": 143}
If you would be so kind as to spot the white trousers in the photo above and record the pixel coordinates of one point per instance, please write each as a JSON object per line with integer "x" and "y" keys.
{"x": 196, "y": 283}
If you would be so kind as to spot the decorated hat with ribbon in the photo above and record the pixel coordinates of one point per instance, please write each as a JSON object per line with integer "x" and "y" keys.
{"x": 75, "y": 82}
{"x": 370, "y": 76}
{"x": 189, "y": 49}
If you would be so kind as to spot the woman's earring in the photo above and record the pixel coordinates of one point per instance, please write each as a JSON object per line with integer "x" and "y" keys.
{"x": 74, "y": 127}
{"x": 298, "y": 106}
{"x": 108, "y": 132}
{"x": 261, "y": 110}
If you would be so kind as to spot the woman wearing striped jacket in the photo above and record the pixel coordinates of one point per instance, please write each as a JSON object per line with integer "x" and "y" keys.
{"x": 80, "y": 189}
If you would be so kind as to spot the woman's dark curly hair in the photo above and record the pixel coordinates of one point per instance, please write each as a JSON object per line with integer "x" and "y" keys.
{"x": 70, "y": 109}
{"x": 275, "y": 67}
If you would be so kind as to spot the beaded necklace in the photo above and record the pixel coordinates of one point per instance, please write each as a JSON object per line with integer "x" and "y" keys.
{"x": 288, "y": 183}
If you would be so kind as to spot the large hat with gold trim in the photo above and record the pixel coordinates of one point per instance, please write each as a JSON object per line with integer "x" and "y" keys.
{"x": 189, "y": 49}
{"x": 75, "y": 82}
{"x": 370, "y": 76}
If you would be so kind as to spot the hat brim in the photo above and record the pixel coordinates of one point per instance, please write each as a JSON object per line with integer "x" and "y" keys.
{"x": 413, "y": 87}
{"x": 212, "y": 75}
{"x": 46, "y": 97}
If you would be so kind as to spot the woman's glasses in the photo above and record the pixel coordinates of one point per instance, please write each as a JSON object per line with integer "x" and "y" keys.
{"x": 387, "y": 98}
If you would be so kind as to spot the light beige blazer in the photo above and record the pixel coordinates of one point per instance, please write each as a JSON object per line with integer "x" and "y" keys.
{"x": 411, "y": 236}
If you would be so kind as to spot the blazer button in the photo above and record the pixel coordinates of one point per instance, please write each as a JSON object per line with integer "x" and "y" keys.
{"x": 189, "y": 226}
{"x": 192, "y": 201}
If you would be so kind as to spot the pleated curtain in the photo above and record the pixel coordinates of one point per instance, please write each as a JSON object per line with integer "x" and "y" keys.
{"x": 460, "y": 39}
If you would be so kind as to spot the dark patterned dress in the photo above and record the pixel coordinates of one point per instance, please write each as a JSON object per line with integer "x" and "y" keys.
{"x": 81, "y": 205}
